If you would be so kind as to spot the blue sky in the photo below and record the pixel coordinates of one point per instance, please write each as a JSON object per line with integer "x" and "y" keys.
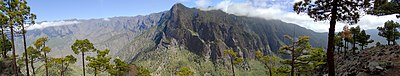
{"x": 50, "y": 10}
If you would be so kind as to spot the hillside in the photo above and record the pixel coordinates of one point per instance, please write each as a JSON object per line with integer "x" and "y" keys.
{"x": 374, "y": 61}
{"x": 188, "y": 37}
{"x": 112, "y": 33}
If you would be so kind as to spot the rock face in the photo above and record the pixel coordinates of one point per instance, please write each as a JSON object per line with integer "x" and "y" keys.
{"x": 197, "y": 39}
{"x": 208, "y": 33}
{"x": 112, "y": 33}
{"x": 374, "y": 61}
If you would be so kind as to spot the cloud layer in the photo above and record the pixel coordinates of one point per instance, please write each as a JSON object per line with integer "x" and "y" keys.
{"x": 203, "y": 3}
{"x": 50, "y": 24}
{"x": 282, "y": 10}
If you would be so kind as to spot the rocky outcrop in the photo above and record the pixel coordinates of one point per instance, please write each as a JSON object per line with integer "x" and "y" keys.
{"x": 208, "y": 33}
{"x": 374, "y": 61}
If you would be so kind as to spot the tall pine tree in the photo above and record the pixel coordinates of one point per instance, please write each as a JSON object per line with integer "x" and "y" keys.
{"x": 390, "y": 32}
{"x": 83, "y": 46}
{"x": 364, "y": 39}
{"x": 348, "y": 11}
{"x": 354, "y": 32}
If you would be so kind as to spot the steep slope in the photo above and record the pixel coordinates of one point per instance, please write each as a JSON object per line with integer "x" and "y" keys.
{"x": 374, "y": 61}
{"x": 112, "y": 33}
{"x": 191, "y": 37}
{"x": 200, "y": 31}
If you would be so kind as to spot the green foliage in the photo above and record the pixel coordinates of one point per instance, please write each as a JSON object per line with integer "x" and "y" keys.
{"x": 99, "y": 63}
{"x": 64, "y": 62}
{"x": 142, "y": 71}
{"x": 39, "y": 52}
{"x": 347, "y": 11}
{"x": 389, "y": 31}
{"x": 81, "y": 46}
{"x": 321, "y": 10}
{"x": 384, "y": 7}
{"x": 185, "y": 71}
{"x": 304, "y": 56}
{"x": 270, "y": 61}
{"x": 355, "y": 31}
{"x": 118, "y": 68}
{"x": 283, "y": 69}
{"x": 378, "y": 44}
{"x": 339, "y": 41}
{"x": 5, "y": 46}
{"x": 364, "y": 39}
{"x": 235, "y": 58}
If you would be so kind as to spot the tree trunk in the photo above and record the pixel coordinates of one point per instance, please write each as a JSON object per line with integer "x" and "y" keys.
{"x": 45, "y": 60}
{"x": 65, "y": 69}
{"x": 13, "y": 48}
{"x": 33, "y": 67}
{"x": 330, "y": 51}
{"x": 83, "y": 63}
{"x": 4, "y": 42}
{"x": 362, "y": 46}
{"x": 292, "y": 63}
{"x": 26, "y": 54}
{"x": 233, "y": 69}
{"x": 95, "y": 71}
{"x": 354, "y": 44}
{"x": 270, "y": 71}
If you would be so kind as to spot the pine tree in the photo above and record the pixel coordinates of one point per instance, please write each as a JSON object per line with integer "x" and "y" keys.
{"x": 5, "y": 46}
{"x": 25, "y": 17}
{"x": 304, "y": 58}
{"x": 64, "y": 62}
{"x": 40, "y": 45}
{"x": 346, "y": 35}
{"x": 33, "y": 55}
{"x": 269, "y": 61}
{"x": 354, "y": 31}
{"x": 390, "y": 32}
{"x": 339, "y": 42}
{"x": 82, "y": 46}
{"x": 118, "y": 68}
{"x": 363, "y": 39}
{"x": 11, "y": 8}
{"x": 295, "y": 50}
{"x": 348, "y": 11}
{"x": 234, "y": 59}
{"x": 5, "y": 43}
{"x": 384, "y": 7}
{"x": 99, "y": 63}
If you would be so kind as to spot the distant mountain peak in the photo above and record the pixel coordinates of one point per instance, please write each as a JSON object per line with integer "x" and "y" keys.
{"x": 178, "y": 6}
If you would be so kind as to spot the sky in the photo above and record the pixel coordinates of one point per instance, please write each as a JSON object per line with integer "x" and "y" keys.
{"x": 54, "y": 11}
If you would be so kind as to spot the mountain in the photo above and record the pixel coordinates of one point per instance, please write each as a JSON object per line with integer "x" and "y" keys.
{"x": 189, "y": 37}
{"x": 112, "y": 33}
{"x": 180, "y": 37}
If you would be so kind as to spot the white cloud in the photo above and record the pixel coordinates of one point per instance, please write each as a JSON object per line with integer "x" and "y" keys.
{"x": 50, "y": 24}
{"x": 106, "y": 19}
{"x": 279, "y": 9}
{"x": 203, "y": 3}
